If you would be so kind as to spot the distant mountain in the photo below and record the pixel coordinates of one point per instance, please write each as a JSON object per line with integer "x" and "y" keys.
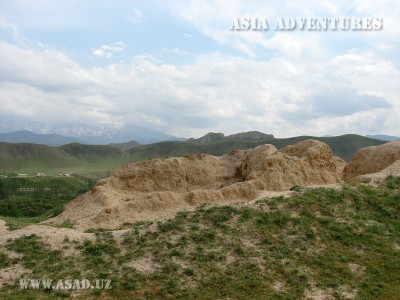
{"x": 26, "y": 136}
{"x": 383, "y": 137}
{"x": 99, "y": 134}
{"x": 212, "y": 137}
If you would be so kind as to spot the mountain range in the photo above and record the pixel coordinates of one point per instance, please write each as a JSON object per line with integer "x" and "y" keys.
{"x": 26, "y": 136}
{"x": 383, "y": 137}
{"x": 22, "y": 131}
{"x": 84, "y": 133}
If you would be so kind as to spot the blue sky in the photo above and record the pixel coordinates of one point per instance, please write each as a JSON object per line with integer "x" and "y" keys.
{"x": 176, "y": 66}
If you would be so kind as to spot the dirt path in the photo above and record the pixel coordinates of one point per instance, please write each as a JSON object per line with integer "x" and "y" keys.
{"x": 3, "y": 227}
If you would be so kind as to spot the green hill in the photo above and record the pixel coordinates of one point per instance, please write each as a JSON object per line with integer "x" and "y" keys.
{"x": 92, "y": 153}
{"x": 93, "y": 160}
{"x": 27, "y": 156}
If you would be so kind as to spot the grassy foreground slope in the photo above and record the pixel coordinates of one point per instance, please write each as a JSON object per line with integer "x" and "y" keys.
{"x": 343, "y": 244}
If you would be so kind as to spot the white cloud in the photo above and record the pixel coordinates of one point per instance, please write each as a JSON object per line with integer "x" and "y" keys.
{"x": 283, "y": 83}
{"x": 175, "y": 51}
{"x": 107, "y": 51}
{"x": 214, "y": 19}
{"x": 216, "y": 92}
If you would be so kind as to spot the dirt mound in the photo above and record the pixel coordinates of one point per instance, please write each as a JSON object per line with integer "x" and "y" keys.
{"x": 340, "y": 164}
{"x": 372, "y": 160}
{"x": 393, "y": 169}
{"x": 155, "y": 188}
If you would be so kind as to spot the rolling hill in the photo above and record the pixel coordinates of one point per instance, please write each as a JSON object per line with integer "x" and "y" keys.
{"x": 27, "y": 156}
{"x": 74, "y": 157}
{"x": 93, "y": 160}
{"x": 92, "y": 153}
{"x": 125, "y": 146}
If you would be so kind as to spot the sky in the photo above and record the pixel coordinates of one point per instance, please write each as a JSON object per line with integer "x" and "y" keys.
{"x": 178, "y": 67}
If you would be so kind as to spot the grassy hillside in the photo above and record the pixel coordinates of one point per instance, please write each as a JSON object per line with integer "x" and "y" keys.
{"x": 92, "y": 153}
{"x": 319, "y": 243}
{"x": 26, "y": 156}
{"x": 89, "y": 160}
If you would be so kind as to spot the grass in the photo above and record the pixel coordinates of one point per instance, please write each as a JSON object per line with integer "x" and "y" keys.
{"x": 337, "y": 242}
{"x": 4, "y": 260}
{"x": 13, "y": 223}
{"x": 65, "y": 224}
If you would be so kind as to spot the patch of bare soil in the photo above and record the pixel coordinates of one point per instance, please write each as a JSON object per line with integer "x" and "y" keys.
{"x": 144, "y": 264}
{"x": 10, "y": 274}
{"x": 3, "y": 227}
{"x": 56, "y": 238}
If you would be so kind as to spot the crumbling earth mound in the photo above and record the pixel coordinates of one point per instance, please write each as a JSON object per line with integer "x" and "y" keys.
{"x": 372, "y": 159}
{"x": 392, "y": 170}
{"x": 155, "y": 188}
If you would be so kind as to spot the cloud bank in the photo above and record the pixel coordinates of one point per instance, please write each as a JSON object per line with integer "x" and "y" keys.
{"x": 282, "y": 83}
